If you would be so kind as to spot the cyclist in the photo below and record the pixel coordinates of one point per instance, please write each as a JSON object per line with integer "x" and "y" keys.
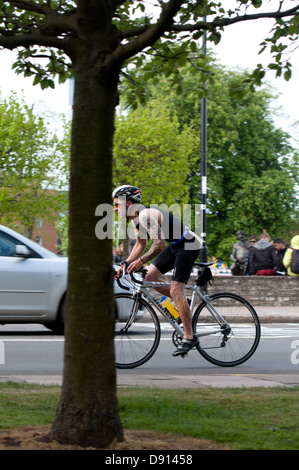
{"x": 174, "y": 247}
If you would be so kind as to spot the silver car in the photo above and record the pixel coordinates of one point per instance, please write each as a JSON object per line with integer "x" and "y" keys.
{"x": 33, "y": 282}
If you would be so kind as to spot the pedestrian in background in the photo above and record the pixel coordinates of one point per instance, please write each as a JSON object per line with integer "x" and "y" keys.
{"x": 263, "y": 258}
{"x": 291, "y": 257}
{"x": 281, "y": 248}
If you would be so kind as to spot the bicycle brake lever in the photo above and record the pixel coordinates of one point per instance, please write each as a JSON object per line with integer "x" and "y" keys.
{"x": 124, "y": 265}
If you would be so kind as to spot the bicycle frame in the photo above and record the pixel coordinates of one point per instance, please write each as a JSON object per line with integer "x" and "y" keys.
{"x": 221, "y": 335}
{"x": 142, "y": 288}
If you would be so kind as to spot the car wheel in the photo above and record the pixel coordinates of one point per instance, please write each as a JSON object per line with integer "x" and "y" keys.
{"x": 57, "y": 326}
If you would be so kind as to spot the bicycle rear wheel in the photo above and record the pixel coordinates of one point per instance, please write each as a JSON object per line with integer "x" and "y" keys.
{"x": 137, "y": 331}
{"x": 231, "y": 345}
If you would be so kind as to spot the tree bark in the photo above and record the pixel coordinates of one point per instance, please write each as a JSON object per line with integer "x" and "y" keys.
{"x": 85, "y": 30}
{"x": 88, "y": 409}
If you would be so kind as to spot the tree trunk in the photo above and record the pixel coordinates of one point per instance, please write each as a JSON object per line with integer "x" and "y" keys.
{"x": 88, "y": 409}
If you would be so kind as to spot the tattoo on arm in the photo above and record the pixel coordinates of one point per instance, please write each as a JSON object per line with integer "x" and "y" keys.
{"x": 153, "y": 228}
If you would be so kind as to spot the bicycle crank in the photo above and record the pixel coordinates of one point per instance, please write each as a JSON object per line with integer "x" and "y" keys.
{"x": 177, "y": 337}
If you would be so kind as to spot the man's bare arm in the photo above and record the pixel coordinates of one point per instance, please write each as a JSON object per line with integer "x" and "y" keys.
{"x": 153, "y": 228}
{"x": 149, "y": 223}
{"x": 137, "y": 250}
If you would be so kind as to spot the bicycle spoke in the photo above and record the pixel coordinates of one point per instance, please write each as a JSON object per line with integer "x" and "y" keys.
{"x": 135, "y": 342}
{"x": 234, "y": 343}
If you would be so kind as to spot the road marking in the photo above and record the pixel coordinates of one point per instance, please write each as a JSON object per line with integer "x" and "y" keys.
{"x": 267, "y": 332}
{"x": 28, "y": 340}
{"x": 2, "y": 353}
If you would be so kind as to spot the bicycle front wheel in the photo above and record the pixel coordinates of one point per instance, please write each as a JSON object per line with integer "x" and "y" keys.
{"x": 232, "y": 342}
{"x": 137, "y": 331}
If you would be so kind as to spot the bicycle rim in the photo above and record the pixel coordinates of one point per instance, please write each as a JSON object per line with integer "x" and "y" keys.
{"x": 230, "y": 346}
{"x": 134, "y": 343}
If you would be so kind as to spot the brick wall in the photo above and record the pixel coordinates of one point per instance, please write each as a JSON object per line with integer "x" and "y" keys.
{"x": 47, "y": 235}
{"x": 259, "y": 290}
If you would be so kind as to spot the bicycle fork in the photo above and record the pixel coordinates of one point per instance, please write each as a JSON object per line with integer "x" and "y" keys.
{"x": 133, "y": 313}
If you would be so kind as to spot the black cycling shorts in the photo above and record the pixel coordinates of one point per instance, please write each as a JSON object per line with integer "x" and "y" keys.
{"x": 178, "y": 258}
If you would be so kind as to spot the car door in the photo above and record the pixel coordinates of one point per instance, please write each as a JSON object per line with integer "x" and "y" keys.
{"x": 24, "y": 282}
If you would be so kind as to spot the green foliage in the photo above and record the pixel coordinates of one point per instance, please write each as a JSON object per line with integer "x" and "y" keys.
{"x": 30, "y": 65}
{"x": 284, "y": 39}
{"x": 252, "y": 166}
{"x": 152, "y": 151}
{"x": 45, "y": 32}
{"x": 257, "y": 418}
{"x": 97, "y": 40}
{"x": 33, "y": 167}
{"x": 47, "y": 36}
{"x": 27, "y": 405}
{"x": 240, "y": 418}
{"x": 36, "y": 59}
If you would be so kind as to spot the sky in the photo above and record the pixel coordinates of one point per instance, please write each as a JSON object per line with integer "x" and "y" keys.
{"x": 54, "y": 100}
{"x": 238, "y": 48}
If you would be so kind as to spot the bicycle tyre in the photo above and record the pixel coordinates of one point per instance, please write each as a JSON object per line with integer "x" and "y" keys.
{"x": 137, "y": 345}
{"x": 222, "y": 348}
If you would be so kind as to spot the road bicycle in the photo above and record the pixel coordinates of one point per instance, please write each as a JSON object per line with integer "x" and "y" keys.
{"x": 226, "y": 324}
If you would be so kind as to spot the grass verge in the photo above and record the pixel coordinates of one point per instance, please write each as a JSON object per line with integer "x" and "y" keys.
{"x": 255, "y": 418}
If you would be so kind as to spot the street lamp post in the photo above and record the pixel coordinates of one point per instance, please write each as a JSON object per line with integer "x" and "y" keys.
{"x": 203, "y": 114}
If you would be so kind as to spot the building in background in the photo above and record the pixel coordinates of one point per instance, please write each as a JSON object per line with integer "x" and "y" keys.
{"x": 45, "y": 234}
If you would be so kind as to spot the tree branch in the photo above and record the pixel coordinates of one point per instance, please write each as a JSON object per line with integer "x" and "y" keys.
{"x": 49, "y": 33}
{"x": 220, "y": 22}
{"x": 149, "y": 35}
{"x": 30, "y": 6}
{"x": 27, "y": 40}
{"x": 212, "y": 25}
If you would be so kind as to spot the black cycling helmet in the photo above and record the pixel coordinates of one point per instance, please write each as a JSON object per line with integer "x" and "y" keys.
{"x": 130, "y": 192}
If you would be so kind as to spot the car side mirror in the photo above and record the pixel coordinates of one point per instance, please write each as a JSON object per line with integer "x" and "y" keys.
{"x": 22, "y": 251}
